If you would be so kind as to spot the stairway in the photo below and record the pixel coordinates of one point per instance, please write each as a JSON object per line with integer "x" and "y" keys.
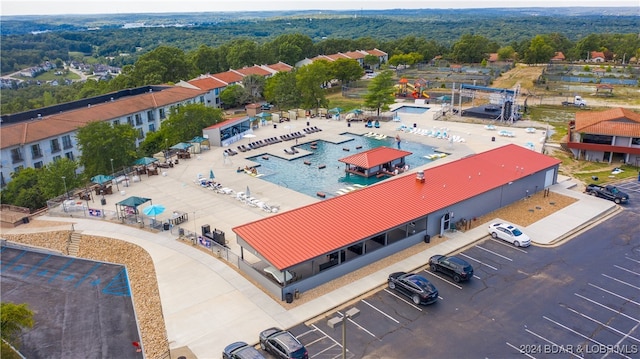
{"x": 74, "y": 244}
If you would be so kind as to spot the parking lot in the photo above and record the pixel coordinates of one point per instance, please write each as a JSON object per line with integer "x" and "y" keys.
{"x": 580, "y": 299}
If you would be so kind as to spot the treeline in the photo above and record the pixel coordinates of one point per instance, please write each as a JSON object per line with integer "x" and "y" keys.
{"x": 170, "y": 64}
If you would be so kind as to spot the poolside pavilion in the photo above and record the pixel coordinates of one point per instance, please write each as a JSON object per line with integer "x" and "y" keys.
{"x": 380, "y": 161}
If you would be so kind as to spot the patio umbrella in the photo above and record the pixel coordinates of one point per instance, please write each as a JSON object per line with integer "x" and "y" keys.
{"x": 144, "y": 161}
{"x": 336, "y": 110}
{"x": 100, "y": 179}
{"x": 211, "y": 176}
{"x": 247, "y": 192}
{"x": 263, "y": 115}
{"x": 153, "y": 210}
{"x": 181, "y": 146}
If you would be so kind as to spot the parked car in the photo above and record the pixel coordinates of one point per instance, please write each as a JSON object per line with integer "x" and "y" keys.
{"x": 414, "y": 286}
{"x": 510, "y": 233}
{"x": 241, "y": 350}
{"x": 456, "y": 268}
{"x": 609, "y": 192}
{"x": 282, "y": 344}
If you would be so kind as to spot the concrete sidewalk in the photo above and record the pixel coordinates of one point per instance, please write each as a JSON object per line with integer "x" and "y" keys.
{"x": 208, "y": 305}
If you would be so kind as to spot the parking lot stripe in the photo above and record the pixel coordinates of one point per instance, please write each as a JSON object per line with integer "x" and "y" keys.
{"x": 380, "y": 311}
{"x": 626, "y": 270}
{"x": 402, "y": 299}
{"x": 17, "y": 258}
{"x": 475, "y": 260}
{"x": 494, "y": 253}
{"x": 509, "y": 245}
{"x": 519, "y": 350}
{"x": 631, "y": 259}
{"x": 325, "y": 349}
{"x": 65, "y": 266}
{"x": 604, "y": 306}
{"x": 358, "y": 325}
{"x": 560, "y": 347}
{"x": 36, "y": 266}
{"x": 603, "y": 324}
{"x": 620, "y": 281}
{"x": 578, "y": 333}
{"x": 326, "y": 335}
{"x": 476, "y": 277}
{"x": 305, "y": 333}
{"x": 442, "y": 279}
{"x": 614, "y": 294}
{"x": 95, "y": 267}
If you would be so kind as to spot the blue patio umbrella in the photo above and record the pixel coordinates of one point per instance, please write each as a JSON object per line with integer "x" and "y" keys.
{"x": 263, "y": 115}
{"x": 100, "y": 179}
{"x": 336, "y": 110}
{"x": 153, "y": 210}
{"x": 211, "y": 176}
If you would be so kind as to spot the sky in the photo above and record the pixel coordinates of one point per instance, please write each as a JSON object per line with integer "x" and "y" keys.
{"x": 58, "y": 7}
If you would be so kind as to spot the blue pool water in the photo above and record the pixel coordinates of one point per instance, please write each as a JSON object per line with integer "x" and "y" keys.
{"x": 411, "y": 110}
{"x": 309, "y": 179}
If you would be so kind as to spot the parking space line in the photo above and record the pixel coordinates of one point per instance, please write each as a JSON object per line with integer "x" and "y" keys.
{"x": 620, "y": 281}
{"x": 519, "y": 350}
{"x": 402, "y": 299}
{"x": 560, "y": 347}
{"x": 603, "y": 324}
{"x": 326, "y": 335}
{"x": 494, "y": 253}
{"x": 324, "y": 350}
{"x": 380, "y": 311}
{"x": 442, "y": 279}
{"x": 614, "y": 294}
{"x": 305, "y": 333}
{"x": 578, "y": 333}
{"x": 358, "y": 325}
{"x": 476, "y": 277}
{"x": 604, "y": 306}
{"x": 631, "y": 259}
{"x": 315, "y": 341}
{"x": 626, "y": 270}
{"x": 475, "y": 260}
{"x": 509, "y": 245}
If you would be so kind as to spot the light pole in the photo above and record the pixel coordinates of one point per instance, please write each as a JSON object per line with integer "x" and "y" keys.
{"x": 113, "y": 173}
{"x": 351, "y": 313}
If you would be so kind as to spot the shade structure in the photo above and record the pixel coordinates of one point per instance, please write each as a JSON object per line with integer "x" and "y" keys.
{"x": 263, "y": 115}
{"x": 101, "y": 179}
{"x": 181, "y": 146}
{"x": 145, "y": 161}
{"x": 336, "y": 110}
{"x": 357, "y": 111}
{"x": 153, "y": 210}
{"x": 211, "y": 175}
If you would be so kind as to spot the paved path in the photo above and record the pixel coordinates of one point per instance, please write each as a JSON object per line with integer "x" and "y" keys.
{"x": 207, "y": 304}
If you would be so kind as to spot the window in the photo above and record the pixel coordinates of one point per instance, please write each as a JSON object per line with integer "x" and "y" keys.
{"x": 69, "y": 155}
{"x": 201, "y": 99}
{"x": 16, "y": 155}
{"x": 150, "y": 117}
{"x": 38, "y": 164}
{"x": 138, "y": 119}
{"x": 152, "y": 127}
{"x": 36, "y": 152}
{"x": 57, "y": 158}
{"x": 163, "y": 115}
{"x": 55, "y": 145}
{"x": 130, "y": 120}
{"x": 140, "y": 134}
{"x": 116, "y": 122}
{"x": 18, "y": 169}
{"x": 635, "y": 141}
{"x": 66, "y": 142}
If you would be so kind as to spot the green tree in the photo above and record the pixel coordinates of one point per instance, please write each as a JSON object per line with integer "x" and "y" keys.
{"x": 187, "y": 122}
{"x": 50, "y": 180}
{"x": 539, "y": 51}
{"x": 100, "y": 142}
{"x": 380, "y": 92}
{"x": 471, "y": 48}
{"x": 234, "y": 96}
{"x": 242, "y": 52}
{"x": 14, "y": 318}
{"x": 24, "y": 191}
{"x": 506, "y": 53}
{"x": 289, "y": 48}
{"x": 281, "y": 90}
{"x": 311, "y": 80}
{"x": 207, "y": 60}
{"x": 371, "y": 61}
{"x": 346, "y": 70}
{"x": 254, "y": 86}
{"x": 162, "y": 65}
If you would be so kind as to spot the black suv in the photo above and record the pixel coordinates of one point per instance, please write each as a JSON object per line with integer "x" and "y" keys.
{"x": 455, "y": 267}
{"x": 282, "y": 344}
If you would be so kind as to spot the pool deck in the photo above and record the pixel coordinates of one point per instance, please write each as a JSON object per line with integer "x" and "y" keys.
{"x": 199, "y": 316}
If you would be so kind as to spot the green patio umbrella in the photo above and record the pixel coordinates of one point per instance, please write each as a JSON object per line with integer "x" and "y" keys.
{"x": 100, "y": 179}
{"x": 144, "y": 161}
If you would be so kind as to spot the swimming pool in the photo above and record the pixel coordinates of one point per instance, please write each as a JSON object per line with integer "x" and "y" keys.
{"x": 415, "y": 110}
{"x": 310, "y": 179}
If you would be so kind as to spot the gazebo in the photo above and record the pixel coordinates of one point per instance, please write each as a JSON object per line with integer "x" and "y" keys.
{"x": 128, "y": 208}
{"x": 379, "y": 161}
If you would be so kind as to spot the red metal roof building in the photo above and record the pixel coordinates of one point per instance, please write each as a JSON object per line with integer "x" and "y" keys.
{"x": 608, "y": 136}
{"x": 302, "y": 239}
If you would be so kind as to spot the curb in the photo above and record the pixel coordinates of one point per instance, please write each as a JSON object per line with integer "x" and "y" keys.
{"x": 584, "y": 227}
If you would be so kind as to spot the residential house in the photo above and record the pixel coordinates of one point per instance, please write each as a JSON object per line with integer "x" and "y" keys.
{"x": 596, "y": 56}
{"x": 39, "y": 137}
{"x": 558, "y": 57}
{"x": 606, "y": 136}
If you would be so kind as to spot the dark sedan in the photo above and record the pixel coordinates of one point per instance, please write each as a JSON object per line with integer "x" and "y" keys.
{"x": 282, "y": 344}
{"x": 414, "y": 286}
{"x": 456, "y": 268}
{"x": 241, "y": 350}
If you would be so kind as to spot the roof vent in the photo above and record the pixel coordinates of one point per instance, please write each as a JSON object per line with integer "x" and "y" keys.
{"x": 420, "y": 176}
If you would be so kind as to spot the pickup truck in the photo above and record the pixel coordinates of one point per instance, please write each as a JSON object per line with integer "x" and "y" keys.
{"x": 609, "y": 192}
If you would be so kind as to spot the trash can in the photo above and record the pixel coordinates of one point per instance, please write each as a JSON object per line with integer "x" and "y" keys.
{"x": 25, "y": 219}
{"x": 165, "y": 226}
{"x": 427, "y": 238}
{"x": 103, "y": 201}
{"x": 275, "y": 125}
{"x": 348, "y": 124}
{"x": 493, "y": 139}
{"x": 206, "y": 229}
{"x": 289, "y": 297}
{"x": 181, "y": 232}
{"x": 308, "y": 123}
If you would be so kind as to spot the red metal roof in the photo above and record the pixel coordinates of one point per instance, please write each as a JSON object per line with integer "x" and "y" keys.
{"x": 296, "y": 236}
{"x": 375, "y": 157}
{"x": 207, "y": 83}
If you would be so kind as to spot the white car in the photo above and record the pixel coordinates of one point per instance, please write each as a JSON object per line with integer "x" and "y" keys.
{"x": 510, "y": 233}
